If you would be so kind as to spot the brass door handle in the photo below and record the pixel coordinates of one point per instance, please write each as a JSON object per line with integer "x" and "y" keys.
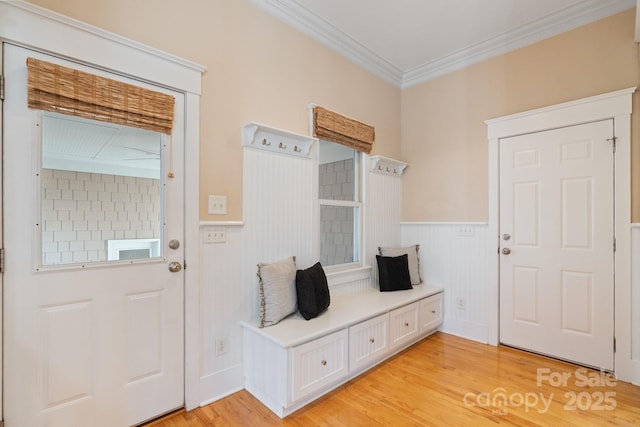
{"x": 175, "y": 266}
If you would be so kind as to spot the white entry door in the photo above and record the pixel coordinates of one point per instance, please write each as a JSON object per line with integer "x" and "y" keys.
{"x": 557, "y": 243}
{"x": 93, "y": 331}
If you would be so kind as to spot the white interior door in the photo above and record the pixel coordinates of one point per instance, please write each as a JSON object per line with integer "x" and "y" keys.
{"x": 557, "y": 237}
{"x": 88, "y": 341}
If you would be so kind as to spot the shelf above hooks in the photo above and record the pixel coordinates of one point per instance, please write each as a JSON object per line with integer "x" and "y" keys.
{"x": 256, "y": 135}
{"x": 387, "y": 166}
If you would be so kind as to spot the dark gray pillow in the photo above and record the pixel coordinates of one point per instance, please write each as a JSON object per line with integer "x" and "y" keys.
{"x": 414, "y": 260}
{"x": 393, "y": 273}
{"x": 312, "y": 291}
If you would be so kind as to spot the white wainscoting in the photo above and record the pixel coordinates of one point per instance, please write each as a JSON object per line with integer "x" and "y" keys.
{"x": 225, "y": 300}
{"x": 382, "y": 216}
{"x": 459, "y": 264}
{"x": 278, "y": 207}
{"x": 280, "y": 219}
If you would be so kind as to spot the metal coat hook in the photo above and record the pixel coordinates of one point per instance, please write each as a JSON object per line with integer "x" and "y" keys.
{"x": 265, "y": 142}
{"x": 281, "y": 145}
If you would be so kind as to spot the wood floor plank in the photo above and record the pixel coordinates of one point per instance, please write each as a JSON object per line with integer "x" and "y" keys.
{"x": 445, "y": 380}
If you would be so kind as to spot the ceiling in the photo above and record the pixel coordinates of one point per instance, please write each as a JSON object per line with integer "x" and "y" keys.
{"x": 407, "y": 42}
{"x": 72, "y": 143}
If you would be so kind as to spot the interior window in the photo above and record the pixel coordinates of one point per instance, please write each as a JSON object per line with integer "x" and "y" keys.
{"x": 101, "y": 197}
{"x": 340, "y": 204}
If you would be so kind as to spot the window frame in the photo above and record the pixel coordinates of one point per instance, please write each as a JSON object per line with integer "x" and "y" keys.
{"x": 357, "y": 204}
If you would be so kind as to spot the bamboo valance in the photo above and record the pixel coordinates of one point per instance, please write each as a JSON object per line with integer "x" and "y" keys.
{"x": 52, "y": 87}
{"x": 334, "y": 127}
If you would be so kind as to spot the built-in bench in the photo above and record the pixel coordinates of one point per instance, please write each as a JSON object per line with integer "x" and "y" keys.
{"x": 289, "y": 364}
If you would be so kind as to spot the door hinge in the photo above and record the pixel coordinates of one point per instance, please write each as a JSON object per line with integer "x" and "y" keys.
{"x": 1, "y": 94}
{"x": 614, "y": 346}
{"x": 613, "y": 140}
{"x": 615, "y": 244}
{"x": 1, "y": 270}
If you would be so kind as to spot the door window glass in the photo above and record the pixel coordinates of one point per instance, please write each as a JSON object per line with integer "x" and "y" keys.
{"x": 101, "y": 191}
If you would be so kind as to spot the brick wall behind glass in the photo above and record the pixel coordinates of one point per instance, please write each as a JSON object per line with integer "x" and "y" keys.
{"x": 81, "y": 211}
{"x": 336, "y": 222}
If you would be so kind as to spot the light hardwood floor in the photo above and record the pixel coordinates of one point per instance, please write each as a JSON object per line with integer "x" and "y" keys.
{"x": 447, "y": 381}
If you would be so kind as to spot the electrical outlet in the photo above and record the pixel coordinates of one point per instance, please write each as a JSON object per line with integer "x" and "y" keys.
{"x": 221, "y": 346}
{"x": 217, "y": 205}
{"x": 460, "y": 304}
{"x": 465, "y": 231}
{"x": 215, "y": 235}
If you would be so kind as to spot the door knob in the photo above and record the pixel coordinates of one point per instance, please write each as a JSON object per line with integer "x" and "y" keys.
{"x": 175, "y": 266}
{"x": 506, "y": 251}
{"x": 174, "y": 244}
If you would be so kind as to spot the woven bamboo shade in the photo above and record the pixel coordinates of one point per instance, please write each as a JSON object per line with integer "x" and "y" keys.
{"x": 334, "y": 127}
{"x": 52, "y": 87}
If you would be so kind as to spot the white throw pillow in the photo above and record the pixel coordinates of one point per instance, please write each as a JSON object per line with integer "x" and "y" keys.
{"x": 277, "y": 290}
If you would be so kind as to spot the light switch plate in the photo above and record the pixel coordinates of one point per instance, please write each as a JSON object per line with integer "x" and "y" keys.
{"x": 217, "y": 205}
{"x": 215, "y": 235}
{"x": 465, "y": 231}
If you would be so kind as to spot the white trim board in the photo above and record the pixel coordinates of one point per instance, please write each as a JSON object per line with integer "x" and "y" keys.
{"x": 29, "y": 25}
{"x": 617, "y": 106}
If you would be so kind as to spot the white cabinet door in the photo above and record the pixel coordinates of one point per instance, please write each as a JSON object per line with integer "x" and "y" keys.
{"x": 368, "y": 342}
{"x": 319, "y": 363}
{"x": 403, "y": 325}
{"x": 431, "y": 311}
{"x": 557, "y": 243}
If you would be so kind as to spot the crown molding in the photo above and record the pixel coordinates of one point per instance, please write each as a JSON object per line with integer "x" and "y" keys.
{"x": 543, "y": 28}
{"x": 311, "y": 24}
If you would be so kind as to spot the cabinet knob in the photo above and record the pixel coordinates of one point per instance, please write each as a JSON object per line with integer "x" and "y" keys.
{"x": 406, "y": 324}
{"x": 372, "y": 340}
{"x": 433, "y": 311}
{"x": 323, "y": 363}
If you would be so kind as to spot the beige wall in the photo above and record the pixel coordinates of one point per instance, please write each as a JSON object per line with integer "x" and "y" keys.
{"x": 444, "y": 137}
{"x": 258, "y": 69}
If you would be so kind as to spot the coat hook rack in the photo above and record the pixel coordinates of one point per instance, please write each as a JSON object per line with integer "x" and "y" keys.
{"x": 258, "y": 136}
{"x": 387, "y": 166}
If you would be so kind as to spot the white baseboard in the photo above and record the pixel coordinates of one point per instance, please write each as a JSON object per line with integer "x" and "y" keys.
{"x": 466, "y": 329}
{"x": 221, "y": 384}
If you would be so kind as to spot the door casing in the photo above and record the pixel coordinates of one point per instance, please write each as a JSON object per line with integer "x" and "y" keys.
{"x": 613, "y": 105}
